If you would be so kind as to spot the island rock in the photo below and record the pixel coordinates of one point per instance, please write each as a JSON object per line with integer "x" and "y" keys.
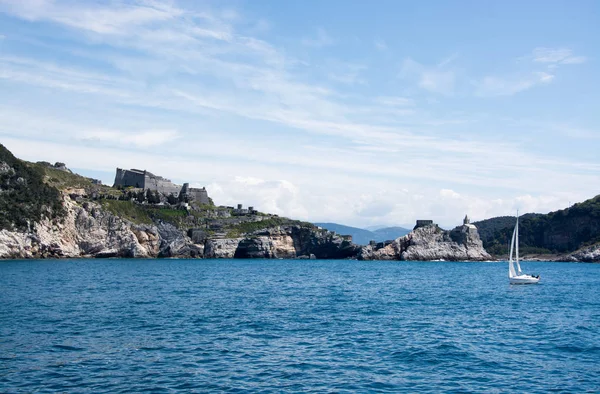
{"x": 430, "y": 242}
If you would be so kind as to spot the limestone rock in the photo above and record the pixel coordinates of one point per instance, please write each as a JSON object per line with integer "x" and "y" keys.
{"x": 589, "y": 254}
{"x": 432, "y": 243}
{"x": 223, "y": 248}
{"x": 88, "y": 230}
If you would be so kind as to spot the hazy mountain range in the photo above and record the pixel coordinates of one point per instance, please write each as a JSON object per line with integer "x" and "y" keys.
{"x": 362, "y": 236}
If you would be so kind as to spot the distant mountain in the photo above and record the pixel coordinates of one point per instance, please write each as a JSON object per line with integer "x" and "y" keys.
{"x": 376, "y": 227}
{"x": 562, "y": 231}
{"x": 383, "y": 234}
{"x": 361, "y": 236}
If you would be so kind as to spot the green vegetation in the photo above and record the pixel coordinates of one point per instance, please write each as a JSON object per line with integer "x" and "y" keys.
{"x": 561, "y": 231}
{"x": 31, "y": 191}
{"x": 64, "y": 179}
{"x": 251, "y": 226}
{"x": 178, "y": 217}
{"x": 127, "y": 210}
{"x": 24, "y": 197}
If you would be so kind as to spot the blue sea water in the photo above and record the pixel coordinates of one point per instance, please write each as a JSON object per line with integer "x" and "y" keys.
{"x": 297, "y": 326}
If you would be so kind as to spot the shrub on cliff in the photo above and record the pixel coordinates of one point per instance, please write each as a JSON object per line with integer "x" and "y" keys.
{"x": 24, "y": 197}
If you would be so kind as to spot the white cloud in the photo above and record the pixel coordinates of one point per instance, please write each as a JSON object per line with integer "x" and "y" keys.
{"x": 393, "y": 101}
{"x": 322, "y": 39}
{"x": 506, "y": 86}
{"x": 448, "y": 60}
{"x": 142, "y": 139}
{"x": 434, "y": 79}
{"x": 556, "y": 55}
{"x": 449, "y": 193}
{"x": 574, "y": 60}
{"x": 346, "y": 73}
{"x": 118, "y": 19}
{"x": 380, "y": 44}
{"x": 193, "y": 96}
{"x": 316, "y": 196}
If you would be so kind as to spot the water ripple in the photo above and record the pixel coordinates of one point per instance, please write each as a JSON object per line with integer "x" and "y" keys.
{"x": 297, "y": 326}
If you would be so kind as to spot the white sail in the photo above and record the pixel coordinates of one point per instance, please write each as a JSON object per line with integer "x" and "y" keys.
{"x": 518, "y": 277}
{"x": 511, "y": 267}
{"x": 519, "y": 272}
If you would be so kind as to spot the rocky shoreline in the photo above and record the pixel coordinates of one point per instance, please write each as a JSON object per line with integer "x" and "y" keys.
{"x": 89, "y": 230}
{"x": 50, "y": 212}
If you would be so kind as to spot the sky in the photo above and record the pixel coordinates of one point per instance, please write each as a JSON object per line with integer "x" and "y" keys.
{"x": 355, "y": 112}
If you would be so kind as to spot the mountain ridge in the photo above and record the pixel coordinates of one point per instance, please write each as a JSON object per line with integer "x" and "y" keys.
{"x": 363, "y": 236}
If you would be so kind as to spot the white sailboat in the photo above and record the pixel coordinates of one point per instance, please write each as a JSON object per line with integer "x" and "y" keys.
{"x": 517, "y": 277}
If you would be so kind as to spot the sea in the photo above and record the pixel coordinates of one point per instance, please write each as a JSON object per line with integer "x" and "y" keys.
{"x": 272, "y": 326}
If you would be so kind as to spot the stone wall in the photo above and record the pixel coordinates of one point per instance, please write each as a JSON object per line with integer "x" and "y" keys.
{"x": 198, "y": 195}
{"x": 127, "y": 178}
{"x": 162, "y": 185}
{"x": 146, "y": 180}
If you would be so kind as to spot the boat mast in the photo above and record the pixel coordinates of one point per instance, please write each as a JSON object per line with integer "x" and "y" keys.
{"x": 517, "y": 241}
{"x": 511, "y": 267}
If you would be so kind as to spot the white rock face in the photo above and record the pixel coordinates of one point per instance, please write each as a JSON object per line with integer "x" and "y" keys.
{"x": 14, "y": 245}
{"x": 589, "y": 254}
{"x": 86, "y": 230}
{"x": 223, "y": 248}
{"x": 432, "y": 243}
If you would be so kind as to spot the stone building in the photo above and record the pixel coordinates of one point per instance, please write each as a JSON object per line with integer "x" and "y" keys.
{"x": 146, "y": 180}
{"x": 422, "y": 223}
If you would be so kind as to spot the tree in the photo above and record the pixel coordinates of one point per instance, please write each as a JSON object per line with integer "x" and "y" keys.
{"x": 171, "y": 199}
{"x": 152, "y": 196}
{"x": 149, "y": 196}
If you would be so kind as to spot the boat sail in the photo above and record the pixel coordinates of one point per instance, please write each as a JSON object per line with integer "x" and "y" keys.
{"x": 517, "y": 277}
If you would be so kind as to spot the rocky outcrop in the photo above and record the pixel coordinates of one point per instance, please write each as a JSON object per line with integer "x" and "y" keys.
{"x": 283, "y": 242}
{"x": 223, "y": 248}
{"x": 590, "y": 254}
{"x": 88, "y": 230}
{"x": 431, "y": 243}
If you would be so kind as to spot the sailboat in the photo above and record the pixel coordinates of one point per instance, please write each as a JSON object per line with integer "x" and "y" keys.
{"x": 517, "y": 277}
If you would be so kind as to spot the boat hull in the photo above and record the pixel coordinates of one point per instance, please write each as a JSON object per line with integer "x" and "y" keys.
{"x": 524, "y": 280}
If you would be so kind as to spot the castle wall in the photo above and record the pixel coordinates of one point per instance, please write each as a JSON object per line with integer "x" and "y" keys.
{"x": 146, "y": 180}
{"x": 199, "y": 196}
{"x": 162, "y": 185}
{"x": 127, "y": 178}
{"x": 422, "y": 223}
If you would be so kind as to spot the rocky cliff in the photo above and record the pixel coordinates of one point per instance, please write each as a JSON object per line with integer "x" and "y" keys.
{"x": 88, "y": 230}
{"x": 49, "y": 212}
{"x": 431, "y": 243}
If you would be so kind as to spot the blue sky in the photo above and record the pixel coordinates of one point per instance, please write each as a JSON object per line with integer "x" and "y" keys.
{"x": 363, "y": 113}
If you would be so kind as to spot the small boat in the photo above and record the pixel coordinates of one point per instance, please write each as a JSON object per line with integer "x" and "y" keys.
{"x": 517, "y": 277}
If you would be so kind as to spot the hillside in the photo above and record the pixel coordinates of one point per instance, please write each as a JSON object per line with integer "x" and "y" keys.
{"x": 363, "y": 237}
{"x": 563, "y": 231}
{"x": 24, "y": 196}
{"x": 489, "y": 227}
{"x": 48, "y": 211}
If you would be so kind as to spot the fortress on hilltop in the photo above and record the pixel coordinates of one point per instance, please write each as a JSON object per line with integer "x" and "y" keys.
{"x": 142, "y": 179}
